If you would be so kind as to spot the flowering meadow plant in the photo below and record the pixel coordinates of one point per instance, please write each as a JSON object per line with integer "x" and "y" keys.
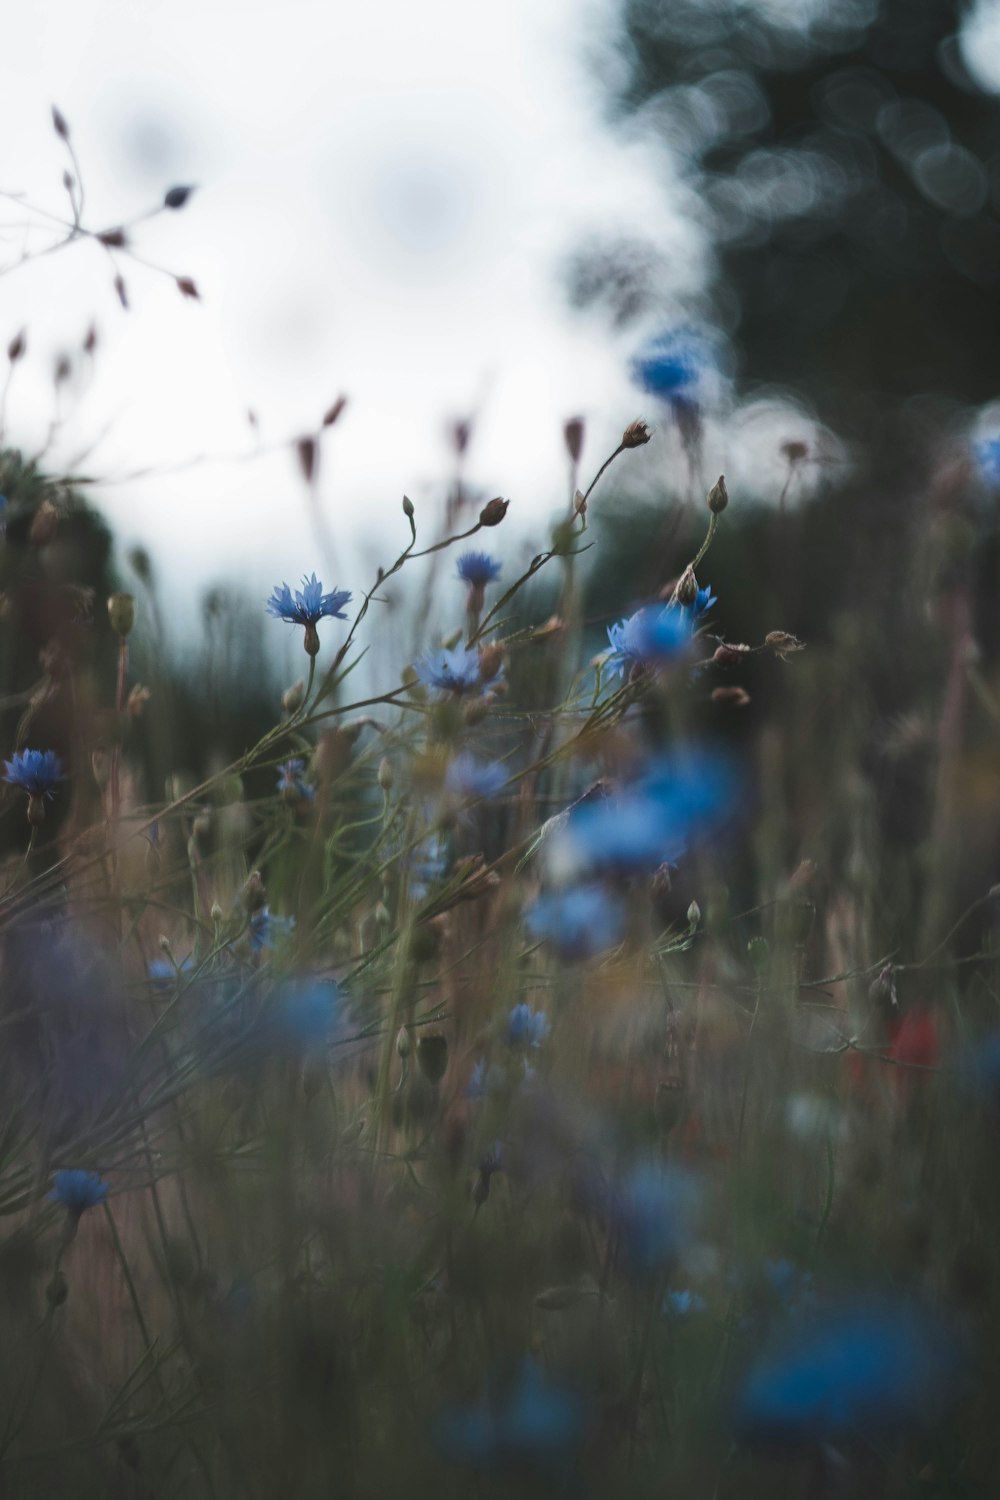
{"x": 498, "y": 1062}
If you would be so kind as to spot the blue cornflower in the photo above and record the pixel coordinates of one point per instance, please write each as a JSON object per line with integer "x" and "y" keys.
{"x": 857, "y": 1367}
{"x": 652, "y": 637}
{"x": 703, "y": 601}
{"x": 163, "y": 973}
{"x": 468, "y": 777}
{"x": 267, "y": 929}
{"x": 579, "y": 922}
{"x": 654, "y": 1211}
{"x": 535, "y": 1423}
{"x": 477, "y": 569}
{"x": 308, "y": 1015}
{"x": 669, "y": 368}
{"x": 987, "y": 452}
{"x": 457, "y": 671}
{"x": 78, "y": 1190}
{"x": 485, "y": 1078}
{"x": 34, "y": 771}
{"x": 527, "y": 1027}
{"x": 290, "y": 782}
{"x": 309, "y": 606}
{"x": 683, "y": 1303}
{"x": 678, "y": 798}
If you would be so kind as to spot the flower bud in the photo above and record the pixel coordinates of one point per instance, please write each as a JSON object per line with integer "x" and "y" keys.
{"x": 718, "y": 496}
{"x": 432, "y": 1055}
{"x": 137, "y": 699}
{"x": 781, "y": 642}
{"x": 490, "y": 661}
{"x": 254, "y": 895}
{"x": 686, "y": 591}
{"x": 385, "y": 774}
{"x": 293, "y": 697}
{"x": 121, "y": 613}
{"x": 635, "y": 434}
{"x": 216, "y": 913}
{"x": 408, "y": 507}
{"x": 493, "y": 512}
{"x": 573, "y": 434}
{"x": 693, "y": 915}
{"x": 404, "y": 1046}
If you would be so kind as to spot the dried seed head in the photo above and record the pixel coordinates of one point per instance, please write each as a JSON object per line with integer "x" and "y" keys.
{"x": 686, "y": 591}
{"x": 781, "y": 642}
{"x": 635, "y": 434}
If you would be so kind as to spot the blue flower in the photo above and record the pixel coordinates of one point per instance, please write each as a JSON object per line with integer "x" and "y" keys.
{"x": 678, "y": 798}
{"x": 682, "y": 1304}
{"x": 703, "y": 601}
{"x": 652, "y": 637}
{"x": 654, "y": 1211}
{"x": 457, "y": 671}
{"x": 78, "y": 1190}
{"x": 163, "y": 973}
{"x": 477, "y": 569}
{"x": 34, "y": 771}
{"x": 468, "y": 777}
{"x": 670, "y": 367}
{"x": 579, "y": 922}
{"x": 427, "y": 864}
{"x": 290, "y": 782}
{"x": 267, "y": 929}
{"x": 535, "y": 1423}
{"x": 987, "y": 452}
{"x": 527, "y": 1027}
{"x": 857, "y": 1367}
{"x": 308, "y": 1015}
{"x": 786, "y": 1280}
{"x": 310, "y": 604}
{"x": 485, "y": 1078}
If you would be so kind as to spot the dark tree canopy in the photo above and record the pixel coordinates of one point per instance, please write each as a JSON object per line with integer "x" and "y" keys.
{"x": 847, "y": 170}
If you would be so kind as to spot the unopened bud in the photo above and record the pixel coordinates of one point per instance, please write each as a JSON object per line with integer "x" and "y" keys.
{"x": 493, "y": 512}
{"x": 718, "y": 496}
{"x": 385, "y": 774}
{"x": 44, "y": 524}
{"x": 686, "y": 591}
{"x": 635, "y": 434}
{"x": 17, "y": 346}
{"x": 382, "y": 916}
{"x": 254, "y": 895}
{"x": 121, "y": 613}
{"x": 293, "y": 697}
{"x": 404, "y": 1046}
{"x": 176, "y": 197}
{"x": 573, "y": 434}
{"x": 693, "y": 915}
{"x": 432, "y": 1055}
{"x": 216, "y": 913}
{"x": 408, "y": 507}
{"x": 795, "y": 451}
{"x": 729, "y": 655}
{"x": 164, "y": 945}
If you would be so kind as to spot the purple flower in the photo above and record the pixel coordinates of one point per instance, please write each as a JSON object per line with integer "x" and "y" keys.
{"x": 578, "y": 922}
{"x": 526, "y": 1027}
{"x": 477, "y": 569}
{"x": 34, "y": 771}
{"x": 310, "y": 604}
{"x": 653, "y": 637}
{"x": 78, "y": 1190}
{"x": 456, "y": 671}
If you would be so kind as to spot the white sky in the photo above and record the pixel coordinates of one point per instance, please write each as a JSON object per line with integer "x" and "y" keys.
{"x": 387, "y": 193}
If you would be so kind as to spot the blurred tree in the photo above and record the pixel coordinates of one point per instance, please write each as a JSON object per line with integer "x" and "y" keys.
{"x": 846, "y": 167}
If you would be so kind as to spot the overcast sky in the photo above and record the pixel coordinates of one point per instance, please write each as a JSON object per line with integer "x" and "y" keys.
{"x": 387, "y": 194}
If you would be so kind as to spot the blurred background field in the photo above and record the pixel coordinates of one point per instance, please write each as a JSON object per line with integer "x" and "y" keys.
{"x": 498, "y": 923}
